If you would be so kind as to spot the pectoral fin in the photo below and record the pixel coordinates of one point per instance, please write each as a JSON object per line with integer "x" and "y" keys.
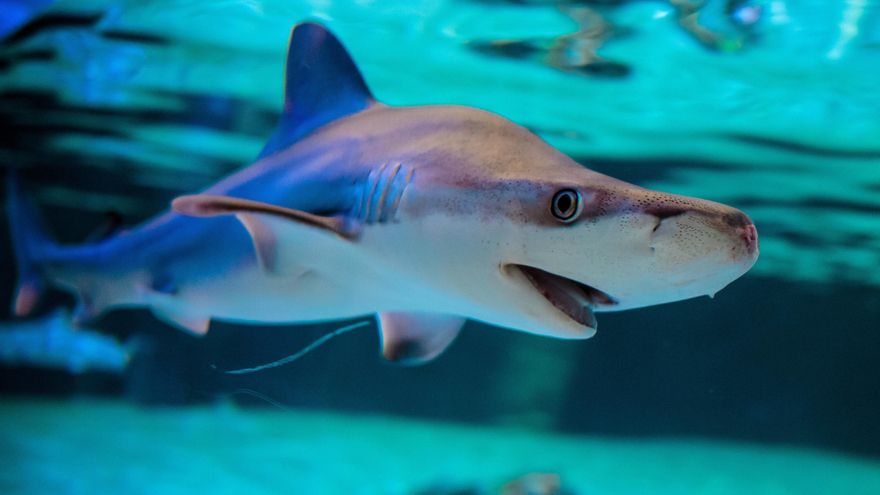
{"x": 207, "y": 205}
{"x": 417, "y": 338}
{"x": 193, "y": 324}
{"x": 265, "y": 243}
{"x": 268, "y": 224}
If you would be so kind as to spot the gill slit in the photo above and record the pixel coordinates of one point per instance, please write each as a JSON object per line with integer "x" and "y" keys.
{"x": 381, "y": 209}
{"x": 406, "y": 182}
{"x": 372, "y": 185}
{"x": 381, "y": 193}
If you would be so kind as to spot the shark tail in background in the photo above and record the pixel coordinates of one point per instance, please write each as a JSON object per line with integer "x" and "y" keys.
{"x": 31, "y": 244}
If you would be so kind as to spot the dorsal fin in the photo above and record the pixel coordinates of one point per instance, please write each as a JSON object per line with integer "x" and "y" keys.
{"x": 322, "y": 84}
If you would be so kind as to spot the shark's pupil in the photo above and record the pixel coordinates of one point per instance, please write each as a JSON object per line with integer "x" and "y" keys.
{"x": 565, "y": 205}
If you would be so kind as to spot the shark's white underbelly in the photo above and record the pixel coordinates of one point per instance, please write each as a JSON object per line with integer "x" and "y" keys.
{"x": 390, "y": 268}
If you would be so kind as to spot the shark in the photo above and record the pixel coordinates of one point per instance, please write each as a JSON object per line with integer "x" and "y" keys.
{"x": 54, "y": 342}
{"x": 421, "y": 217}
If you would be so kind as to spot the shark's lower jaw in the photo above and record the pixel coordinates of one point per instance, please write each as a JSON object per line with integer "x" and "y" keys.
{"x": 573, "y": 298}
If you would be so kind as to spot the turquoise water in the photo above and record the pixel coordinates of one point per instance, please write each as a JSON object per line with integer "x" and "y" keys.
{"x": 777, "y": 116}
{"x": 771, "y": 388}
{"x": 69, "y": 448}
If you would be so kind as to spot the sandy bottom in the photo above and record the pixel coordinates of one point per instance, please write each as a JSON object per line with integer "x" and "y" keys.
{"x": 112, "y": 447}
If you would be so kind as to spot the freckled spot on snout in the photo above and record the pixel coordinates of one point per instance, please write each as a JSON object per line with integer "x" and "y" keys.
{"x": 736, "y": 219}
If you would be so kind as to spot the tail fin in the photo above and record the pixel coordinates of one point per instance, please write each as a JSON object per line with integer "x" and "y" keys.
{"x": 30, "y": 243}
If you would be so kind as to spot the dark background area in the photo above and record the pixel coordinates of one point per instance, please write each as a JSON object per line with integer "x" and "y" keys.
{"x": 767, "y": 360}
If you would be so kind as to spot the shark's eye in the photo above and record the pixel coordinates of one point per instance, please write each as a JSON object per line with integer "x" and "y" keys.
{"x": 566, "y": 205}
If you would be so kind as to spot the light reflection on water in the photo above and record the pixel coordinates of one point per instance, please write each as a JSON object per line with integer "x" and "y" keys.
{"x": 751, "y": 103}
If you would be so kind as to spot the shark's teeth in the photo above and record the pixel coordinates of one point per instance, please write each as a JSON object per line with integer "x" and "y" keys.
{"x": 573, "y": 298}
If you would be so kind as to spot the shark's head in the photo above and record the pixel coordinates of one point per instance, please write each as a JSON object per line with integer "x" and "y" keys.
{"x": 567, "y": 241}
{"x": 599, "y": 244}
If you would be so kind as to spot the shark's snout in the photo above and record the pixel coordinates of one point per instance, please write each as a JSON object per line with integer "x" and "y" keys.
{"x": 744, "y": 228}
{"x": 750, "y": 235}
{"x": 710, "y": 226}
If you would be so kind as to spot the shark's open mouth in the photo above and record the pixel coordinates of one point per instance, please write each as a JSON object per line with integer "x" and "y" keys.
{"x": 573, "y": 298}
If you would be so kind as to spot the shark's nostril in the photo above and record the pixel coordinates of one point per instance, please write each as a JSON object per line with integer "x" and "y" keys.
{"x": 750, "y": 235}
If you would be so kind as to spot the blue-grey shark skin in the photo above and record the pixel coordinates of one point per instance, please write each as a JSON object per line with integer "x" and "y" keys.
{"x": 425, "y": 215}
{"x": 54, "y": 342}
